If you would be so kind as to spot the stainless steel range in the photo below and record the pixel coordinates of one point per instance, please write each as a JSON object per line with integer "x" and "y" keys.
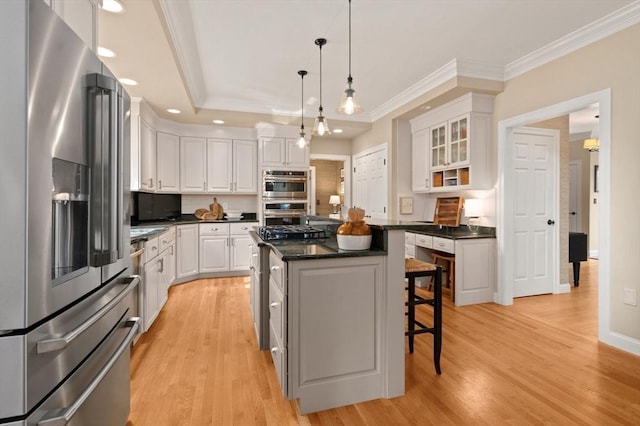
{"x": 290, "y": 232}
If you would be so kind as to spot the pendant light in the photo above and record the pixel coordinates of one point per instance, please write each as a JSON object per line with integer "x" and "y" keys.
{"x": 302, "y": 141}
{"x": 321, "y": 125}
{"x": 349, "y": 105}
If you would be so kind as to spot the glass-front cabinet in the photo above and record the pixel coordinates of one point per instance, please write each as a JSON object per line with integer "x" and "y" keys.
{"x": 459, "y": 133}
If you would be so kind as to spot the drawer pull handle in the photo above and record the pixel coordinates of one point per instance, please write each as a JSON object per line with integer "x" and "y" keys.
{"x": 274, "y": 350}
{"x": 273, "y": 305}
{"x": 275, "y": 268}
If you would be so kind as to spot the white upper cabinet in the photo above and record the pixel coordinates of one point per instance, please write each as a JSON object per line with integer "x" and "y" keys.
{"x": 283, "y": 152}
{"x": 147, "y": 157}
{"x": 218, "y": 165}
{"x": 193, "y": 164}
{"x": 420, "y": 166}
{"x": 459, "y": 135}
{"x": 168, "y": 162}
{"x": 245, "y": 166}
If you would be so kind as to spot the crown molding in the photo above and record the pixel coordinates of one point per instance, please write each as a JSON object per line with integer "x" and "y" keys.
{"x": 597, "y": 30}
{"x": 179, "y": 23}
{"x": 454, "y": 68}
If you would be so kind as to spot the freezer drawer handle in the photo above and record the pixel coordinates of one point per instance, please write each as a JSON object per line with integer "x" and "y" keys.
{"x": 57, "y": 343}
{"x": 67, "y": 414}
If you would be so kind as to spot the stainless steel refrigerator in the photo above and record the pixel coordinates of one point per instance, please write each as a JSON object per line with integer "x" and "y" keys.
{"x": 66, "y": 300}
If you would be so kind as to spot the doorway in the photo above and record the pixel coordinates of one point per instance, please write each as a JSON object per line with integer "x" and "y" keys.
{"x": 506, "y": 222}
{"x": 329, "y": 176}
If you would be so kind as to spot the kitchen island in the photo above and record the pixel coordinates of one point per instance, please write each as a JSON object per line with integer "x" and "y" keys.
{"x": 336, "y": 319}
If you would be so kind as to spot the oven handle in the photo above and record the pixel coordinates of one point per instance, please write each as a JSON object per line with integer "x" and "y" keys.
{"x": 285, "y": 213}
{"x": 67, "y": 414}
{"x": 57, "y": 343}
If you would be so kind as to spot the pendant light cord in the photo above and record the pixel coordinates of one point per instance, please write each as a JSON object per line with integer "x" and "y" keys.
{"x": 320, "y": 78}
{"x": 350, "y": 41}
{"x": 302, "y": 102}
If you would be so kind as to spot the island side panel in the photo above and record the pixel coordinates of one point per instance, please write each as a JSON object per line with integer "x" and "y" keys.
{"x": 394, "y": 313}
{"x": 336, "y": 322}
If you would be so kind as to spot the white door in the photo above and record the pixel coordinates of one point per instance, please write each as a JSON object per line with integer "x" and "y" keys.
{"x": 575, "y": 200}
{"x": 535, "y": 208}
{"x": 370, "y": 177}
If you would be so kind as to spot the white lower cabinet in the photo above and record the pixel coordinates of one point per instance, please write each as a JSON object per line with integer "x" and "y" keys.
{"x": 159, "y": 272}
{"x": 187, "y": 251}
{"x": 240, "y": 250}
{"x": 475, "y": 270}
{"x": 214, "y": 247}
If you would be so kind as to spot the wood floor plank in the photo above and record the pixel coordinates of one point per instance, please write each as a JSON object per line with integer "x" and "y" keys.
{"x": 535, "y": 362}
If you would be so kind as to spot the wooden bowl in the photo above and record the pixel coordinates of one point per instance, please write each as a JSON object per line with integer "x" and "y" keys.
{"x": 199, "y": 214}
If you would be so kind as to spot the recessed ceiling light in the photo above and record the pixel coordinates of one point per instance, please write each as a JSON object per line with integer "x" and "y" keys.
{"x": 113, "y": 6}
{"x": 337, "y": 130}
{"x": 128, "y": 82}
{"x": 174, "y": 111}
{"x": 218, "y": 121}
{"x": 105, "y": 53}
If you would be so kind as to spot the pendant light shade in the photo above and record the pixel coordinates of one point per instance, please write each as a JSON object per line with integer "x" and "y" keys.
{"x": 302, "y": 140}
{"x": 321, "y": 125}
{"x": 349, "y": 104}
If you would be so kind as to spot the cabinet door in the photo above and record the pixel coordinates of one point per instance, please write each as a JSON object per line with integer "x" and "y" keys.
{"x": 163, "y": 279}
{"x": 458, "y": 149}
{"x": 168, "y": 162}
{"x": 245, "y": 166}
{"x": 147, "y": 157}
{"x": 296, "y": 156}
{"x": 439, "y": 146}
{"x": 219, "y": 165}
{"x": 170, "y": 265}
{"x": 214, "y": 254}
{"x": 273, "y": 151}
{"x": 150, "y": 292}
{"x": 193, "y": 163}
{"x": 187, "y": 251}
{"x": 420, "y": 161}
{"x": 240, "y": 253}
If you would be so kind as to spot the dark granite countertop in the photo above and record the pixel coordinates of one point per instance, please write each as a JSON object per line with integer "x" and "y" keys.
{"x": 321, "y": 248}
{"x": 426, "y": 228}
{"x": 142, "y": 231}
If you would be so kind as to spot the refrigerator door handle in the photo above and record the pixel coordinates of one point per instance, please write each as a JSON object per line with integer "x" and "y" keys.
{"x": 57, "y": 343}
{"x": 63, "y": 417}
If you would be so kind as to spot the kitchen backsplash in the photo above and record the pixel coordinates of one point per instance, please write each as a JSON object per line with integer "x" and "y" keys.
{"x": 244, "y": 203}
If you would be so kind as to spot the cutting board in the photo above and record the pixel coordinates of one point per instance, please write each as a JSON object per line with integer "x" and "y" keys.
{"x": 448, "y": 211}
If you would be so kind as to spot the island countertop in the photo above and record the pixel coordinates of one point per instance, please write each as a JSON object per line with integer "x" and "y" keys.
{"x": 319, "y": 248}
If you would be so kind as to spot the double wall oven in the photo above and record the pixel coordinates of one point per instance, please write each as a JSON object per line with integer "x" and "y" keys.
{"x": 66, "y": 296}
{"x": 284, "y": 196}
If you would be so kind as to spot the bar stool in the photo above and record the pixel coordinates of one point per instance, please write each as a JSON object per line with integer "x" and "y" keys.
{"x": 414, "y": 268}
{"x": 449, "y": 268}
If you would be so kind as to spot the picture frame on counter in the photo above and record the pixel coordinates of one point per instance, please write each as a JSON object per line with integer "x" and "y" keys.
{"x": 406, "y": 205}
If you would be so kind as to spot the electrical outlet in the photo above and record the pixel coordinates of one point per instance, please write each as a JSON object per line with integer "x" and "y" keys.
{"x": 225, "y": 206}
{"x": 630, "y": 297}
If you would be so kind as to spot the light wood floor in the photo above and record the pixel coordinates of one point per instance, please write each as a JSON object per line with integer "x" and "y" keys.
{"x": 536, "y": 362}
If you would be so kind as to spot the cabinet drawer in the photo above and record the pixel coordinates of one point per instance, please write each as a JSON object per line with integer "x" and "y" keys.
{"x": 167, "y": 238}
{"x": 276, "y": 311}
{"x": 214, "y": 229}
{"x": 279, "y": 359}
{"x": 425, "y": 241}
{"x": 151, "y": 249}
{"x": 409, "y": 238}
{"x": 242, "y": 228}
{"x": 443, "y": 244}
{"x": 409, "y": 250}
{"x": 276, "y": 270}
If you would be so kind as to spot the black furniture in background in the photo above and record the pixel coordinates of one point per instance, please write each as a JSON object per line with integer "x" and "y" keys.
{"x": 577, "y": 253}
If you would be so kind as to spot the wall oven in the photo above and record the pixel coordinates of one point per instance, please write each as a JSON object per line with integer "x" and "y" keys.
{"x": 283, "y": 212}
{"x": 284, "y": 184}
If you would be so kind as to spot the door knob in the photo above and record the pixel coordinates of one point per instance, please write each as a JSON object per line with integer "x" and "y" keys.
{"x": 551, "y": 222}
{"x": 573, "y": 213}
